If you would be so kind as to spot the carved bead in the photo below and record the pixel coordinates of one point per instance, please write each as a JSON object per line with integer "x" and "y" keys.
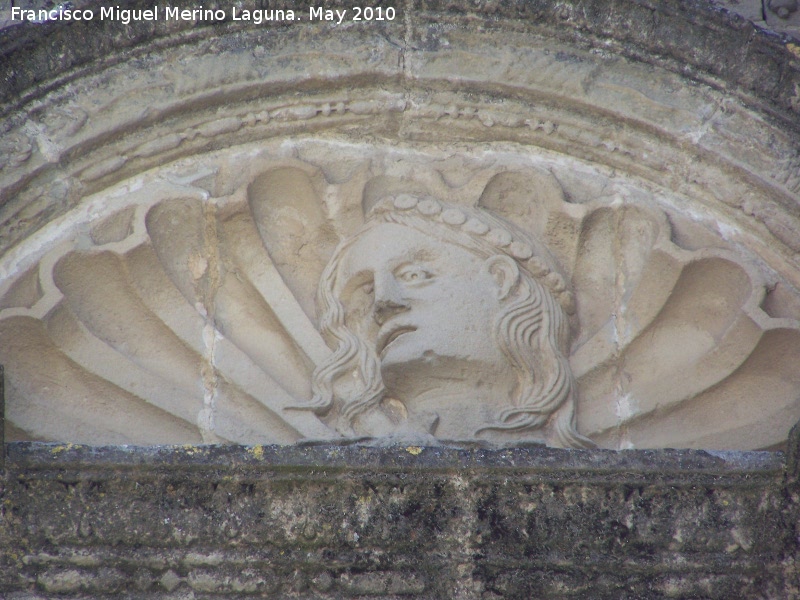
{"x": 537, "y": 267}
{"x": 453, "y": 216}
{"x": 476, "y": 226}
{"x": 405, "y": 201}
{"x": 520, "y": 251}
{"x": 499, "y": 237}
{"x": 429, "y": 207}
{"x": 555, "y": 282}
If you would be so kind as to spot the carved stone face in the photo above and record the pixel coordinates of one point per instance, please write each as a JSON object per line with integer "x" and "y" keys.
{"x": 428, "y": 306}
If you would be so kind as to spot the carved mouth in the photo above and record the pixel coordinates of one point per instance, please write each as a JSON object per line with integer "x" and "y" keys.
{"x": 387, "y": 338}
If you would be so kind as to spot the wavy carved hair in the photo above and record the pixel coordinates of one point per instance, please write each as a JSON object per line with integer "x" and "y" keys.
{"x": 533, "y": 331}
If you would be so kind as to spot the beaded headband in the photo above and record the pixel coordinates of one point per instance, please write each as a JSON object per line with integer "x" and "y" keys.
{"x": 498, "y": 237}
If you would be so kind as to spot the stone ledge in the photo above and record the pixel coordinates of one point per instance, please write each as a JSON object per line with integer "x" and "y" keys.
{"x": 35, "y": 457}
{"x": 367, "y": 522}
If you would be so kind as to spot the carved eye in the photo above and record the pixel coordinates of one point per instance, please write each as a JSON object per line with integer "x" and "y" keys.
{"x": 412, "y": 274}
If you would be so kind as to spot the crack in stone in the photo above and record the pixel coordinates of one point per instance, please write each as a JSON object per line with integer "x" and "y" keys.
{"x": 206, "y": 416}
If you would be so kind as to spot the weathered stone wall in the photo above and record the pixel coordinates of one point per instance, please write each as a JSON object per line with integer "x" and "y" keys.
{"x": 356, "y": 521}
{"x": 361, "y": 522}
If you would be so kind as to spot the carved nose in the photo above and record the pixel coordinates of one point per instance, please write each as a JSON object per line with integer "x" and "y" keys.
{"x": 385, "y": 309}
{"x": 388, "y": 299}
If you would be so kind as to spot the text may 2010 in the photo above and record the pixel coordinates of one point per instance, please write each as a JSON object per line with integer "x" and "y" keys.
{"x": 357, "y": 13}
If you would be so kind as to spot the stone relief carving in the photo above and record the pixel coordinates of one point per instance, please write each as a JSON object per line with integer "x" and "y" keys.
{"x": 508, "y": 298}
{"x": 445, "y": 320}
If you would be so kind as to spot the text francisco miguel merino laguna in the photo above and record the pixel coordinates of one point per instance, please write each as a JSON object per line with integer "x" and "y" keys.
{"x": 169, "y": 13}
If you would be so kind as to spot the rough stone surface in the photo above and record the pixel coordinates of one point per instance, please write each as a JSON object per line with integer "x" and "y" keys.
{"x": 2, "y": 418}
{"x": 355, "y": 521}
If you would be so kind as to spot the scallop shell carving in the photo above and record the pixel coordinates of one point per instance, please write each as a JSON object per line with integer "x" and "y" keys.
{"x": 172, "y": 315}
